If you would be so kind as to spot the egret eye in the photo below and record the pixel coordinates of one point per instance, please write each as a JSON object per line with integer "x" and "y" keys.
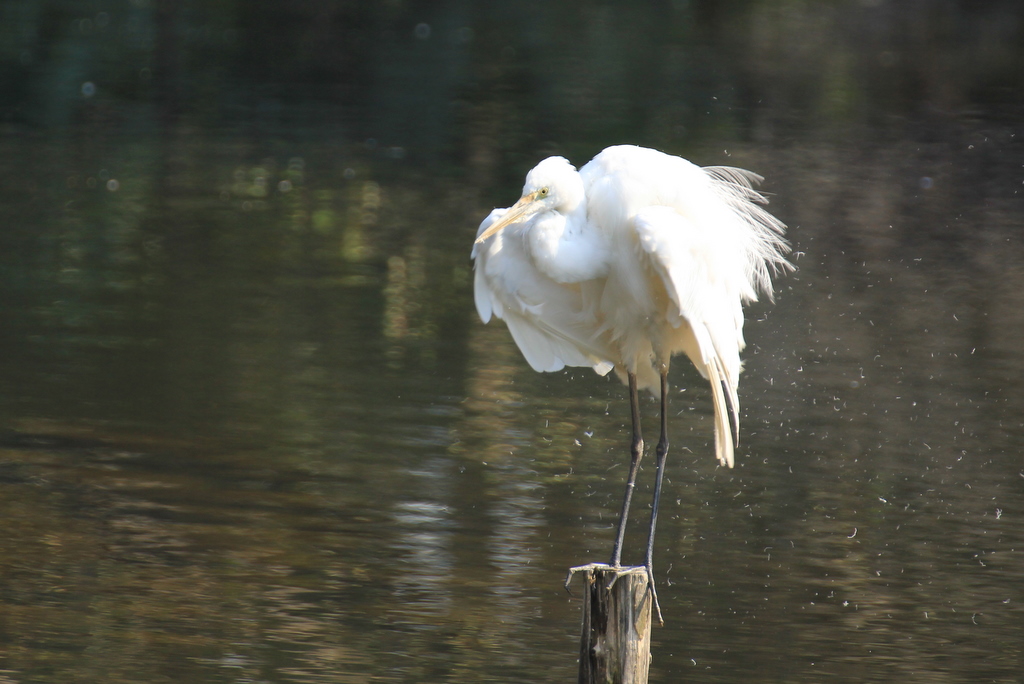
{"x": 543, "y": 192}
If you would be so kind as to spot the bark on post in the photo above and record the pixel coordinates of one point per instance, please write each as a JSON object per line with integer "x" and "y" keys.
{"x": 615, "y": 644}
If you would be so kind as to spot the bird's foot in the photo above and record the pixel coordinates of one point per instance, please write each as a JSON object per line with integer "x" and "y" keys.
{"x": 654, "y": 592}
{"x": 619, "y": 571}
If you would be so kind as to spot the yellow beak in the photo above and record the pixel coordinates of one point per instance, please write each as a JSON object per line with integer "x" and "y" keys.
{"x": 523, "y": 209}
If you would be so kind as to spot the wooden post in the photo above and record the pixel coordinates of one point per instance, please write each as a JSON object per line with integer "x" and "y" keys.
{"x": 615, "y": 644}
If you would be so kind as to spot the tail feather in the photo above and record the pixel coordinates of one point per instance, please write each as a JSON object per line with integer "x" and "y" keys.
{"x": 723, "y": 431}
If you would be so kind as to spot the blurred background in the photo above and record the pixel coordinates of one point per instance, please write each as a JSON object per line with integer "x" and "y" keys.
{"x": 251, "y": 429}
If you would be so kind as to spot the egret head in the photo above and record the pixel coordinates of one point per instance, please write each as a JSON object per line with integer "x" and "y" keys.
{"x": 552, "y": 185}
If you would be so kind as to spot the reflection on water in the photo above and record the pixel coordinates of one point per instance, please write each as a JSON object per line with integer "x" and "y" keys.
{"x": 251, "y": 430}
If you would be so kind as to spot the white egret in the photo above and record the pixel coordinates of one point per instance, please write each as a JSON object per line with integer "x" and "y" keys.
{"x": 636, "y": 257}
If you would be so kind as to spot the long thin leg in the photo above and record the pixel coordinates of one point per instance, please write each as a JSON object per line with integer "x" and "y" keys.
{"x": 636, "y": 451}
{"x": 662, "y": 453}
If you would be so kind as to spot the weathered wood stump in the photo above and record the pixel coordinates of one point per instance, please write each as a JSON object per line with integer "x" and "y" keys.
{"x": 615, "y": 643}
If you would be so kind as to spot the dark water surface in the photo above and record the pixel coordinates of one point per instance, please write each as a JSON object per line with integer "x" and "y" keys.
{"x": 251, "y": 429}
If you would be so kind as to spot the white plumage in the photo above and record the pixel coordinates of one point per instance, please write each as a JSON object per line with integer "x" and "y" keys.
{"x": 638, "y": 256}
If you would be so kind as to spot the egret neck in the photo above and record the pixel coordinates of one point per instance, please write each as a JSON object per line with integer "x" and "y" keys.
{"x": 566, "y": 248}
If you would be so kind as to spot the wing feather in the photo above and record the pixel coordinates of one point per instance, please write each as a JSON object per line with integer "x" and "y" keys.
{"x": 546, "y": 318}
{"x": 695, "y": 275}
{"x": 763, "y": 244}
